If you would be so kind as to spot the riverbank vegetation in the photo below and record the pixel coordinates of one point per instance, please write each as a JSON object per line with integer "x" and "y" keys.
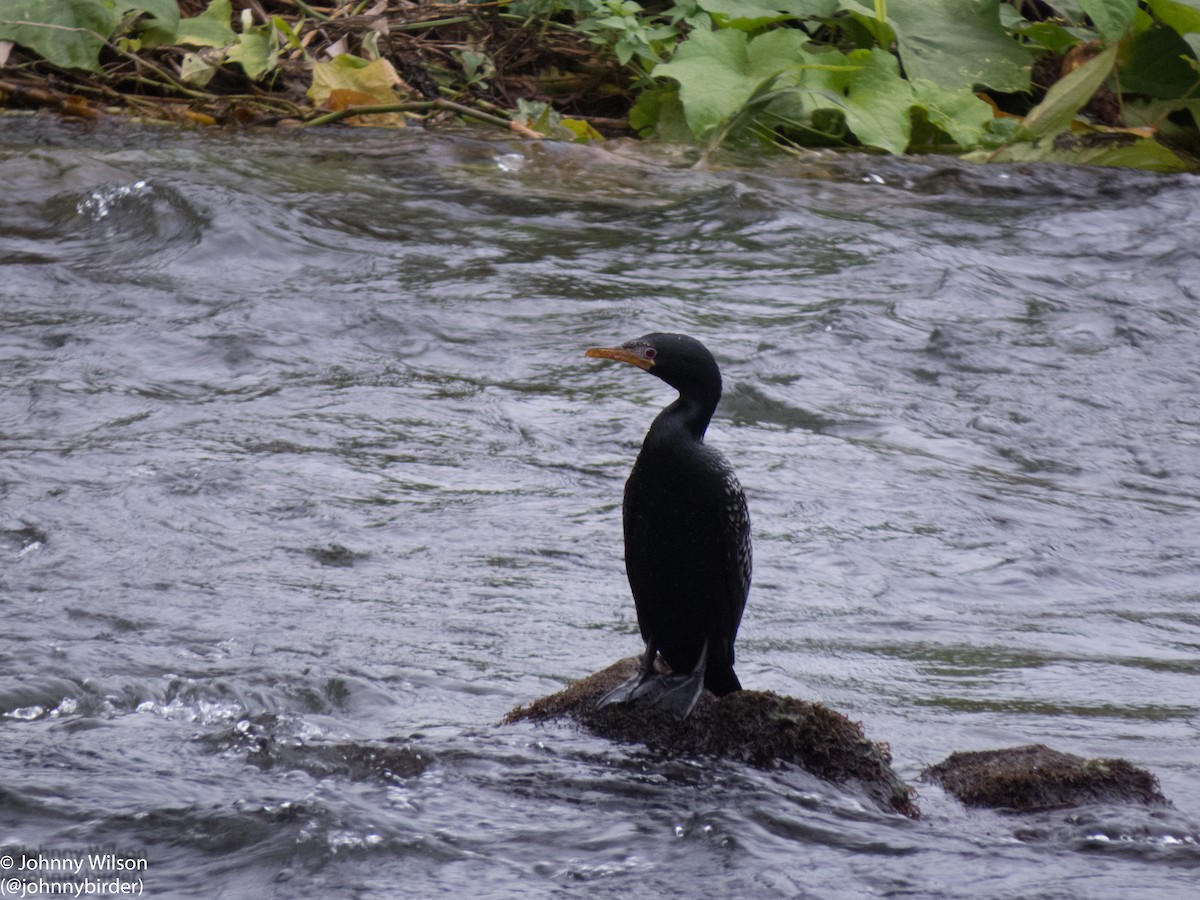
{"x": 1108, "y": 82}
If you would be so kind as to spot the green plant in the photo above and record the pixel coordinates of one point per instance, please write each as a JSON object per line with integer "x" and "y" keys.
{"x": 902, "y": 73}
{"x": 624, "y": 28}
{"x": 72, "y": 34}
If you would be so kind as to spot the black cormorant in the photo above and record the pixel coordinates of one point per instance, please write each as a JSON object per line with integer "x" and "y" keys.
{"x": 687, "y": 533}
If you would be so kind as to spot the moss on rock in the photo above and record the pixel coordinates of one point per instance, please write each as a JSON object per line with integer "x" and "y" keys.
{"x": 1034, "y": 777}
{"x": 760, "y": 728}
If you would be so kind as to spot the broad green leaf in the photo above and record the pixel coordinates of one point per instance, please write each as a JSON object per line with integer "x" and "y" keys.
{"x": 71, "y": 33}
{"x": 162, "y": 17}
{"x": 712, "y": 69}
{"x": 749, "y": 15}
{"x": 162, "y": 20}
{"x": 1048, "y": 36}
{"x": 778, "y": 50}
{"x": 256, "y": 49}
{"x": 1000, "y": 132}
{"x": 1155, "y": 112}
{"x": 659, "y": 110}
{"x": 725, "y": 78}
{"x": 1068, "y": 95}
{"x": 959, "y": 114}
{"x": 1155, "y": 64}
{"x": 646, "y": 109}
{"x": 718, "y": 73}
{"x": 865, "y": 16}
{"x": 1141, "y": 153}
{"x": 67, "y": 33}
{"x": 958, "y": 44}
{"x": 878, "y": 101}
{"x": 812, "y": 94}
{"x": 1111, "y": 17}
{"x": 209, "y": 29}
{"x": 1181, "y": 15}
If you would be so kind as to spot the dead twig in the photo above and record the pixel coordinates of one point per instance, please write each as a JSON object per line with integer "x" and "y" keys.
{"x": 425, "y": 106}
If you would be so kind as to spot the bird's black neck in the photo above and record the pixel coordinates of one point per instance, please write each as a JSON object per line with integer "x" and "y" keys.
{"x": 689, "y": 415}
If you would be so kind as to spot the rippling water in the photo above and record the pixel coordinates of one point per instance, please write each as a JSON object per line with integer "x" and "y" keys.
{"x": 305, "y": 483}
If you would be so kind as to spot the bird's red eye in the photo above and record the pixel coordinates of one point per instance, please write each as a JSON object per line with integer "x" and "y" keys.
{"x": 649, "y": 353}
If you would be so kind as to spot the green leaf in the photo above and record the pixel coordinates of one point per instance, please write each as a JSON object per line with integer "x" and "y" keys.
{"x": 878, "y": 101}
{"x": 866, "y": 20}
{"x": 1068, "y": 95}
{"x": 1153, "y": 63}
{"x": 1111, "y": 17}
{"x": 958, "y": 44}
{"x": 717, "y": 73}
{"x": 162, "y": 16}
{"x": 750, "y": 15}
{"x": 67, "y": 33}
{"x": 658, "y": 110}
{"x": 161, "y": 23}
{"x": 256, "y": 49}
{"x": 811, "y": 96}
{"x": 71, "y": 33}
{"x": 999, "y": 132}
{"x": 1154, "y": 114}
{"x": 726, "y": 79}
{"x": 1048, "y": 36}
{"x": 1181, "y": 15}
{"x": 209, "y": 29}
{"x": 644, "y": 113}
{"x": 1086, "y": 150}
{"x": 959, "y": 114}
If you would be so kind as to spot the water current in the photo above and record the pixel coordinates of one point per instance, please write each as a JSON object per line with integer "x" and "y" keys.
{"x": 305, "y": 483}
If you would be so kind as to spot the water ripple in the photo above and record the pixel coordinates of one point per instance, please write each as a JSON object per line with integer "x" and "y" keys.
{"x": 303, "y": 476}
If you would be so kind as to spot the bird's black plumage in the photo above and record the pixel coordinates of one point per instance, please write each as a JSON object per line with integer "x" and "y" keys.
{"x": 687, "y": 531}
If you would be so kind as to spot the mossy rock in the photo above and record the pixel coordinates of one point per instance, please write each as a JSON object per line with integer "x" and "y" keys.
{"x": 1034, "y": 778}
{"x": 760, "y": 728}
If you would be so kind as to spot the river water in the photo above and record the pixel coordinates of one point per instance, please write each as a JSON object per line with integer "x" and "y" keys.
{"x": 305, "y": 482}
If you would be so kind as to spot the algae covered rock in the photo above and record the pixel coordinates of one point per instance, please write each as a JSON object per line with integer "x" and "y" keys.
{"x": 1034, "y": 778}
{"x": 760, "y": 728}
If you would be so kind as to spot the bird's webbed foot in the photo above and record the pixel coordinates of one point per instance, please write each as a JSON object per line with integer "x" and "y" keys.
{"x": 676, "y": 693}
{"x": 637, "y": 686}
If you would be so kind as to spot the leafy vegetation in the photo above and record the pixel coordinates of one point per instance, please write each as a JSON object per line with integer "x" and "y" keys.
{"x": 1110, "y": 82}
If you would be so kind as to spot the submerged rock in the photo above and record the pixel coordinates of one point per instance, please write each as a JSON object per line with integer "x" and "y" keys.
{"x": 1034, "y": 778}
{"x": 757, "y": 727}
{"x": 270, "y": 741}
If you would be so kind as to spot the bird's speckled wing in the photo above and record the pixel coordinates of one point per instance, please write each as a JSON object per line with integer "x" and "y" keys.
{"x": 734, "y": 523}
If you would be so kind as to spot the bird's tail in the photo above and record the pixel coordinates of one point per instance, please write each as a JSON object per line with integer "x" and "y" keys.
{"x": 720, "y": 678}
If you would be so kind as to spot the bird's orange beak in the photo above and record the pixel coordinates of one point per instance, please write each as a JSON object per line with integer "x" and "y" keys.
{"x": 621, "y": 354}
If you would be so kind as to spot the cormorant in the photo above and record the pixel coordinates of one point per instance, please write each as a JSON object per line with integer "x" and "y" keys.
{"x": 687, "y": 533}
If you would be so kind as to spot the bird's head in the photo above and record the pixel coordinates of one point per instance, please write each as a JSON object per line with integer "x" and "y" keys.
{"x": 681, "y": 361}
